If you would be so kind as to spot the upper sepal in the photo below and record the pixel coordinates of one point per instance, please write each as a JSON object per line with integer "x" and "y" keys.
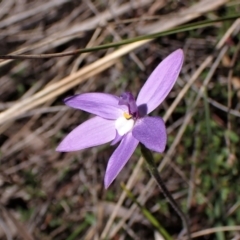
{"x": 160, "y": 82}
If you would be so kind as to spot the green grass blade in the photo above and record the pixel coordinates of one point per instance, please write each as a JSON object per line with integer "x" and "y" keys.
{"x": 148, "y": 214}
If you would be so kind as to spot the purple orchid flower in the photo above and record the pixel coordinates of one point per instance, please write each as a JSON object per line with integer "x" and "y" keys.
{"x": 124, "y": 119}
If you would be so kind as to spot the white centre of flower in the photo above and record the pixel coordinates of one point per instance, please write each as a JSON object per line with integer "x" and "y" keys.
{"x": 124, "y": 125}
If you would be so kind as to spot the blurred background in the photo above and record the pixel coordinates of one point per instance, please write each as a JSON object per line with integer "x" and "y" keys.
{"x": 49, "y": 195}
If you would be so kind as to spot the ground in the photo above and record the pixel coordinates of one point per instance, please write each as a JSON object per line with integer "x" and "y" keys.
{"x": 50, "y": 195}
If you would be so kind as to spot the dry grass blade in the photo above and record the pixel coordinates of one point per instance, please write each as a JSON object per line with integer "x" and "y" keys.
{"x": 26, "y": 14}
{"x": 214, "y": 230}
{"x": 20, "y": 228}
{"x": 5, "y": 229}
{"x": 5, "y": 6}
{"x": 185, "y": 15}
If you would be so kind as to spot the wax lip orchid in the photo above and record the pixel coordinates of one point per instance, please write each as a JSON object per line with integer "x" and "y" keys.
{"x": 122, "y": 119}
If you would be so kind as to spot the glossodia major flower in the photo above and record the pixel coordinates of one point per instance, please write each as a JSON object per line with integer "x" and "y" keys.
{"x": 122, "y": 119}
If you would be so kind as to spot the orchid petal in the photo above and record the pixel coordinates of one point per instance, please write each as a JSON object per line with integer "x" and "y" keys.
{"x": 161, "y": 81}
{"x": 117, "y": 139}
{"x": 93, "y": 132}
{"x": 151, "y": 132}
{"x": 119, "y": 158}
{"x": 101, "y": 104}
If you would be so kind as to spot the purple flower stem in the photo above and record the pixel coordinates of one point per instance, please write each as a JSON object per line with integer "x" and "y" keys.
{"x": 154, "y": 172}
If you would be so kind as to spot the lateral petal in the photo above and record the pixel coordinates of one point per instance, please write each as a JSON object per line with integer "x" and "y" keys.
{"x": 151, "y": 132}
{"x": 161, "y": 81}
{"x": 101, "y": 104}
{"x": 93, "y": 132}
{"x": 119, "y": 158}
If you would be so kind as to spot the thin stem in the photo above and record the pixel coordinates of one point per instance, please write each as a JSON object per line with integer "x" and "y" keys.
{"x": 186, "y": 27}
{"x": 154, "y": 171}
